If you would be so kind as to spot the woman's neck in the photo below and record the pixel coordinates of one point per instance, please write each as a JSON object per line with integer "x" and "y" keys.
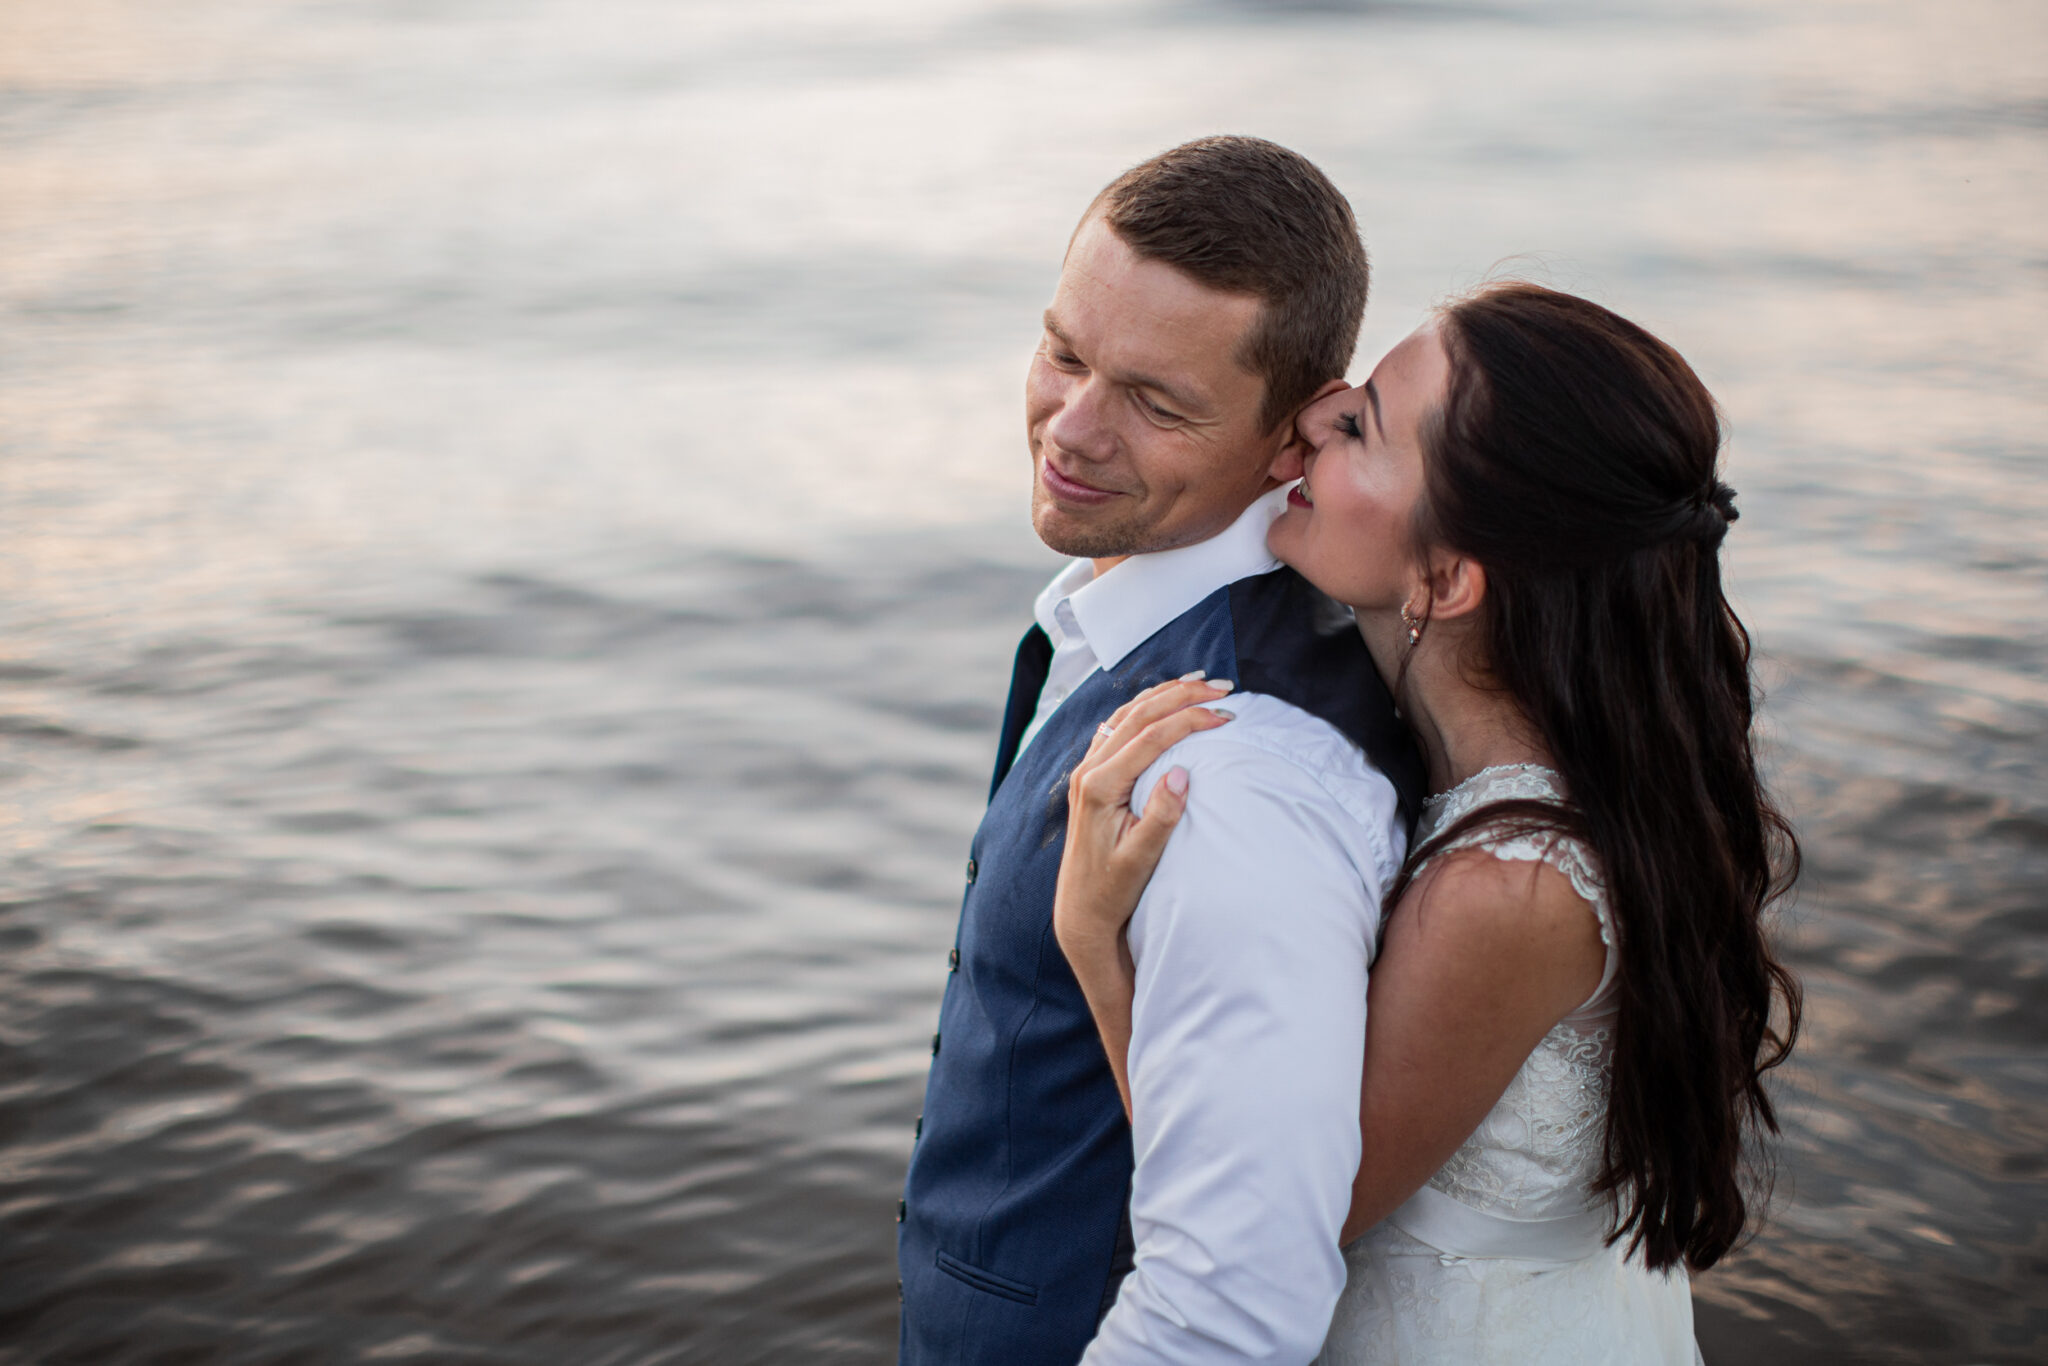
{"x": 1460, "y": 727}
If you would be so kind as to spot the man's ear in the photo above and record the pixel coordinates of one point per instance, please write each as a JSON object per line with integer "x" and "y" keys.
{"x": 1457, "y": 585}
{"x": 1287, "y": 461}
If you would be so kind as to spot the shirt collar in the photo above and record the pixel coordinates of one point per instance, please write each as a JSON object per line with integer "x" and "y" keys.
{"x": 1118, "y": 611}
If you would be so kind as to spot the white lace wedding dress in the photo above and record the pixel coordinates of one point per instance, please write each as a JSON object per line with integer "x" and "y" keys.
{"x": 1499, "y": 1260}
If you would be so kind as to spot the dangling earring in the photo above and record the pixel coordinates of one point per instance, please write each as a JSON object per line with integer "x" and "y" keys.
{"x": 1413, "y": 623}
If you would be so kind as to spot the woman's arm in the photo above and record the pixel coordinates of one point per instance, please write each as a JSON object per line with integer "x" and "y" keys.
{"x": 1482, "y": 958}
{"x": 1110, "y": 854}
{"x": 1109, "y": 979}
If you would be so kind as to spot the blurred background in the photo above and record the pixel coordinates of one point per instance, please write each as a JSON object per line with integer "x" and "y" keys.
{"x": 513, "y": 524}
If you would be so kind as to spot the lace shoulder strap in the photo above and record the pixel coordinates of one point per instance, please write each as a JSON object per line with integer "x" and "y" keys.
{"x": 1570, "y": 856}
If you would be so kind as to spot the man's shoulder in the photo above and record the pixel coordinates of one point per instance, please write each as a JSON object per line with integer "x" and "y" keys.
{"x": 1275, "y": 751}
{"x": 1297, "y": 643}
{"x": 1271, "y": 738}
{"x": 1291, "y": 734}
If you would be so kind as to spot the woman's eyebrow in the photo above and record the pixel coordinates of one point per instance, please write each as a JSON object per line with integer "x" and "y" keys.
{"x": 1372, "y": 396}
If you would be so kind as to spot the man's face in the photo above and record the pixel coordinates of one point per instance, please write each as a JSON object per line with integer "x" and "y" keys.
{"x": 1143, "y": 426}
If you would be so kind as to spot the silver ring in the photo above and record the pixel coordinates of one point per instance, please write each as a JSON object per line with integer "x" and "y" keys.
{"x": 1103, "y": 730}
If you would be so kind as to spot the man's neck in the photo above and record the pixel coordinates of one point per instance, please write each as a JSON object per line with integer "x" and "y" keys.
{"x": 1104, "y": 565}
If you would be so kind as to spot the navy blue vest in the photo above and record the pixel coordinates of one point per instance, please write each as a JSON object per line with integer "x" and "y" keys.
{"x": 1014, "y": 1228}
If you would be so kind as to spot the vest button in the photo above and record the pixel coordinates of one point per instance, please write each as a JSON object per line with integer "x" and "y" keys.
{"x": 970, "y": 870}
{"x": 902, "y": 1208}
{"x": 953, "y": 960}
{"x": 899, "y": 1290}
{"x": 935, "y": 1045}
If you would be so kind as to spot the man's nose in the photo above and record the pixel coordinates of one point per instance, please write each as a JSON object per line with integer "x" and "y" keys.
{"x": 1080, "y": 425}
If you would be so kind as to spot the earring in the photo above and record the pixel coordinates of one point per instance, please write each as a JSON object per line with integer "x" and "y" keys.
{"x": 1413, "y": 623}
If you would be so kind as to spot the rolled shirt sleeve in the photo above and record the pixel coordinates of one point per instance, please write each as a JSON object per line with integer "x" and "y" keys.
{"x": 1248, "y": 1034}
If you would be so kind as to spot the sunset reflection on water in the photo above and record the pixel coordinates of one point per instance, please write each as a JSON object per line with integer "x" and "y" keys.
{"x": 515, "y": 524}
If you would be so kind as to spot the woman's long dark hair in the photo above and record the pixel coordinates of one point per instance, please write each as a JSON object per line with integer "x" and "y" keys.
{"x": 1574, "y": 459}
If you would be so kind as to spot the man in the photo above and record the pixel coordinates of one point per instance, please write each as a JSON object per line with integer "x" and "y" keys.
{"x": 1207, "y": 296}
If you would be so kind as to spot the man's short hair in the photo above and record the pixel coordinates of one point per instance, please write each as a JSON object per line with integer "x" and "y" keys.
{"x": 1250, "y": 217}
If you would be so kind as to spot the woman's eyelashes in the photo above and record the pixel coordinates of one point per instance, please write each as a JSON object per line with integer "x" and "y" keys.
{"x": 1348, "y": 425}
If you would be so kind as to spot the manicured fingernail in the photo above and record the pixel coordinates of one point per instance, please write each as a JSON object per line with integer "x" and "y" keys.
{"x": 1193, "y": 676}
{"x": 1226, "y": 715}
{"x": 1177, "y": 781}
{"x": 1221, "y": 684}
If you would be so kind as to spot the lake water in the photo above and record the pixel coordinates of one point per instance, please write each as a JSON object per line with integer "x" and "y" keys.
{"x": 512, "y": 526}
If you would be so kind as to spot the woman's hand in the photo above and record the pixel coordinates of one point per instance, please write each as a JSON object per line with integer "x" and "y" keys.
{"x": 1111, "y": 853}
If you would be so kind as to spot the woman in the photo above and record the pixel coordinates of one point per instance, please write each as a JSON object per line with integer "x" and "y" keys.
{"x": 1572, "y": 1010}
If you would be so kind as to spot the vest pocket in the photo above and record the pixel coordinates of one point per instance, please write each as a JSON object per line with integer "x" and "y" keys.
{"x": 988, "y": 1281}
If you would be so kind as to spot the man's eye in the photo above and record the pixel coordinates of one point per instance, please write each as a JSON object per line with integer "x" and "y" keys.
{"x": 1065, "y": 360}
{"x": 1348, "y": 424}
{"x": 1163, "y": 414}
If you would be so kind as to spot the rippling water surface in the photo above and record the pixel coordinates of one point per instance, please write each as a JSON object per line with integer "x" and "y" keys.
{"x": 514, "y": 526}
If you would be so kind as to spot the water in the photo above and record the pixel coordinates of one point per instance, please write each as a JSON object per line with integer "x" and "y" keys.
{"x": 514, "y": 528}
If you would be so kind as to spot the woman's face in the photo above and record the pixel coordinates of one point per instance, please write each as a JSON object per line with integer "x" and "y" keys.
{"x": 1347, "y": 527}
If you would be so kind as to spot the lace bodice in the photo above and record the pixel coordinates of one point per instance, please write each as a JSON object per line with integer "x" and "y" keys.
{"x": 1536, "y": 1153}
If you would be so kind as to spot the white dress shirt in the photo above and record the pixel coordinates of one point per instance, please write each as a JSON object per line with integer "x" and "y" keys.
{"x": 1248, "y": 1027}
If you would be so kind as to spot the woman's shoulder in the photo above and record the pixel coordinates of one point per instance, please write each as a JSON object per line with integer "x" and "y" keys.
{"x": 1516, "y": 837}
{"x": 1520, "y": 923}
{"x": 1506, "y": 897}
{"x": 1517, "y": 885}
